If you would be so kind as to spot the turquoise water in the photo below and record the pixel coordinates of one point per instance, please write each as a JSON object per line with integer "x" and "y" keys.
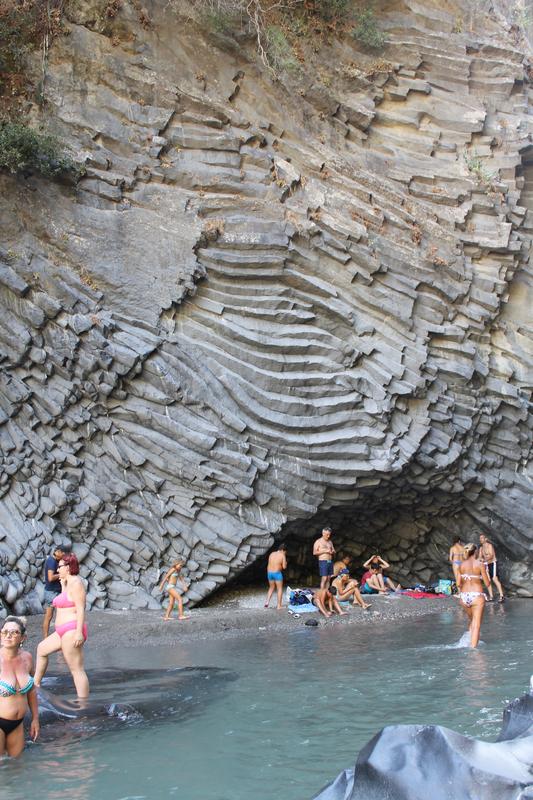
{"x": 300, "y": 708}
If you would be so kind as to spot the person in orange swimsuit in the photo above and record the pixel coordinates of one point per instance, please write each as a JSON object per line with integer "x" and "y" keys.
{"x": 17, "y": 690}
{"x": 71, "y": 630}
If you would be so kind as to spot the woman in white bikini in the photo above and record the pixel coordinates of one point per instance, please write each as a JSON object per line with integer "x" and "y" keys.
{"x": 71, "y": 630}
{"x": 471, "y": 577}
{"x": 171, "y": 578}
{"x": 17, "y": 690}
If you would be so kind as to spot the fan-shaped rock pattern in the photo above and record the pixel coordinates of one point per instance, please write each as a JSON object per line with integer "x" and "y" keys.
{"x": 261, "y": 310}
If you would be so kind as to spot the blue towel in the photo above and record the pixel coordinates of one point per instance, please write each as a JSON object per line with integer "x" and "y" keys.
{"x": 303, "y": 609}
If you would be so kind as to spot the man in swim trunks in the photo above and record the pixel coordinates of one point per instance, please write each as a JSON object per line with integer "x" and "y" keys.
{"x": 52, "y": 587}
{"x": 277, "y": 562}
{"x": 323, "y": 549}
{"x": 487, "y": 555}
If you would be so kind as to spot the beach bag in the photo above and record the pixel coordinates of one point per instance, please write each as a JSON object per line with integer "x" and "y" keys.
{"x": 298, "y": 598}
{"x": 443, "y": 587}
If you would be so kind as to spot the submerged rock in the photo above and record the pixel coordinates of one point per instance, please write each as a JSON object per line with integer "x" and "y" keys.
{"x": 417, "y": 762}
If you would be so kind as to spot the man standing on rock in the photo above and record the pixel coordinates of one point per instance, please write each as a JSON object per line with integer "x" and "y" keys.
{"x": 487, "y": 555}
{"x": 324, "y": 550}
{"x": 52, "y": 586}
{"x": 277, "y": 562}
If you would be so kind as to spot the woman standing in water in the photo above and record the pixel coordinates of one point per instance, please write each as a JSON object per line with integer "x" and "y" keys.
{"x": 470, "y": 579}
{"x": 171, "y": 577}
{"x": 71, "y": 630}
{"x": 17, "y": 690}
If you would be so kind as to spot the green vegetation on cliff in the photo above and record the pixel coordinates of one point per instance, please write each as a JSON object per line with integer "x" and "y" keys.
{"x": 24, "y": 150}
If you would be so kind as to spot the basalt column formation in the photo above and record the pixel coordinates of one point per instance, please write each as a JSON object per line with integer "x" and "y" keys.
{"x": 268, "y": 304}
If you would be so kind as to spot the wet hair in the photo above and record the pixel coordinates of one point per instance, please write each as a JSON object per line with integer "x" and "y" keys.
{"x": 20, "y": 621}
{"x": 332, "y": 590}
{"x": 70, "y": 561}
{"x": 470, "y": 549}
{"x": 456, "y": 540}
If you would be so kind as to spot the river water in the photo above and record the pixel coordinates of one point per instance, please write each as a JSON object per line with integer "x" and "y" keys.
{"x": 294, "y": 712}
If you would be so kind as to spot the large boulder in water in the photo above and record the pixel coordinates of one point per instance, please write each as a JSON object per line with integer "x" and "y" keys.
{"x": 417, "y": 762}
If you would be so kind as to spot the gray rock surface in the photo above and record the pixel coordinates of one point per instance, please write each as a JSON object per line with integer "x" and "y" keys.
{"x": 267, "y": 309}
{"x": 412, "y": 762}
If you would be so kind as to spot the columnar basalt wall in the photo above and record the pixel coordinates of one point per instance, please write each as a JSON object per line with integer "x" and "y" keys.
{"x": 269, "y": 304}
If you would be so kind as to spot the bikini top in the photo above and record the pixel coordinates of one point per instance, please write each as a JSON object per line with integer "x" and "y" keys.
{"x": 62, "y": 601}
{"x": 470, "y": 577}
{"x": 8, "y": 690}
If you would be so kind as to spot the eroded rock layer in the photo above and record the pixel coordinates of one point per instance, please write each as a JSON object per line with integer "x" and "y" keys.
{"x": 270, "y": 304}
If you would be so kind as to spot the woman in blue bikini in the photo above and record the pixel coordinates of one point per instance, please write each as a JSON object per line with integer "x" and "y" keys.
{"x": 471, "y": 577}
{"x": 17, "y": 691}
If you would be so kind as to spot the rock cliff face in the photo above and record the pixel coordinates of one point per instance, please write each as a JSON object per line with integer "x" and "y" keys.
{"x": 270, "y": 304}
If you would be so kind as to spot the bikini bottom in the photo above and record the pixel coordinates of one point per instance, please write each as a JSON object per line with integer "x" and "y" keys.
{"x": 9, "y": 725}
{"x": 468, "y": 598}
{"x": 71, "y": 626}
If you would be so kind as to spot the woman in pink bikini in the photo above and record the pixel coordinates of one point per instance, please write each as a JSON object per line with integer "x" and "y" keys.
{"x": 471, "y": 576}
{"x": 17, "y": 691}
{"x": 71, "y": 630}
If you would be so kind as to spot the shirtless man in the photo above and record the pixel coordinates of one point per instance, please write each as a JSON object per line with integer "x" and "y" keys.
{"x": 487, "y": 555}
{"x": 324, "y": 550}
{"x": 326, "y": 602}
{"x": 456, "y": 556}
{"x": 342, "y": 567}
{"x": 277, "y": 562}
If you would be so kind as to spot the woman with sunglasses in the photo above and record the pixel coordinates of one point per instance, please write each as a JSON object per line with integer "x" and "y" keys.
{"x": 70, "y": 630}
{"x": 17, "y": 689}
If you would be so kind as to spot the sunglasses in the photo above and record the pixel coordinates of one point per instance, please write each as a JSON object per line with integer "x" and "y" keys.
{"x": 10, "y": 632}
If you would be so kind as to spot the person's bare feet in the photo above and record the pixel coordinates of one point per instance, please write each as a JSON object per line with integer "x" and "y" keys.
{"x": 166, "y": 619}
{"x": 342, "y": 613}
{"x": 366, "y": 605}
{"x": 184, "y": 617}
{"x": 279, "y": 608}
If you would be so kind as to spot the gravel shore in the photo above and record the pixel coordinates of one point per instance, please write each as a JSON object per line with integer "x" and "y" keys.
{"x": 233, "y": 613}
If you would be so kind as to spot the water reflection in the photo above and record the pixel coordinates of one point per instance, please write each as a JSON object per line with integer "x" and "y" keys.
{"x": 301, "y": 708}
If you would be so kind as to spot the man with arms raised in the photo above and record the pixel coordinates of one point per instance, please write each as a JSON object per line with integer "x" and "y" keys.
{"x": 487, "y": 555}
{"x": 323, "y": 549}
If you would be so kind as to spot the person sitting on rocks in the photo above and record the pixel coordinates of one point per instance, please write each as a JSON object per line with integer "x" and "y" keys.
{"x": 326, "y": 602}
{"x": 348, "y": 587}
{"x": 342, "y": 566}
{"x": 374, "y": 581}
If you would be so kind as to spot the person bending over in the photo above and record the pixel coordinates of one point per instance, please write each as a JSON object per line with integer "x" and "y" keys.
{"x": 277, "y": 562}
{"x": 17, "y": 689}
{"x": 326, "y": 602}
